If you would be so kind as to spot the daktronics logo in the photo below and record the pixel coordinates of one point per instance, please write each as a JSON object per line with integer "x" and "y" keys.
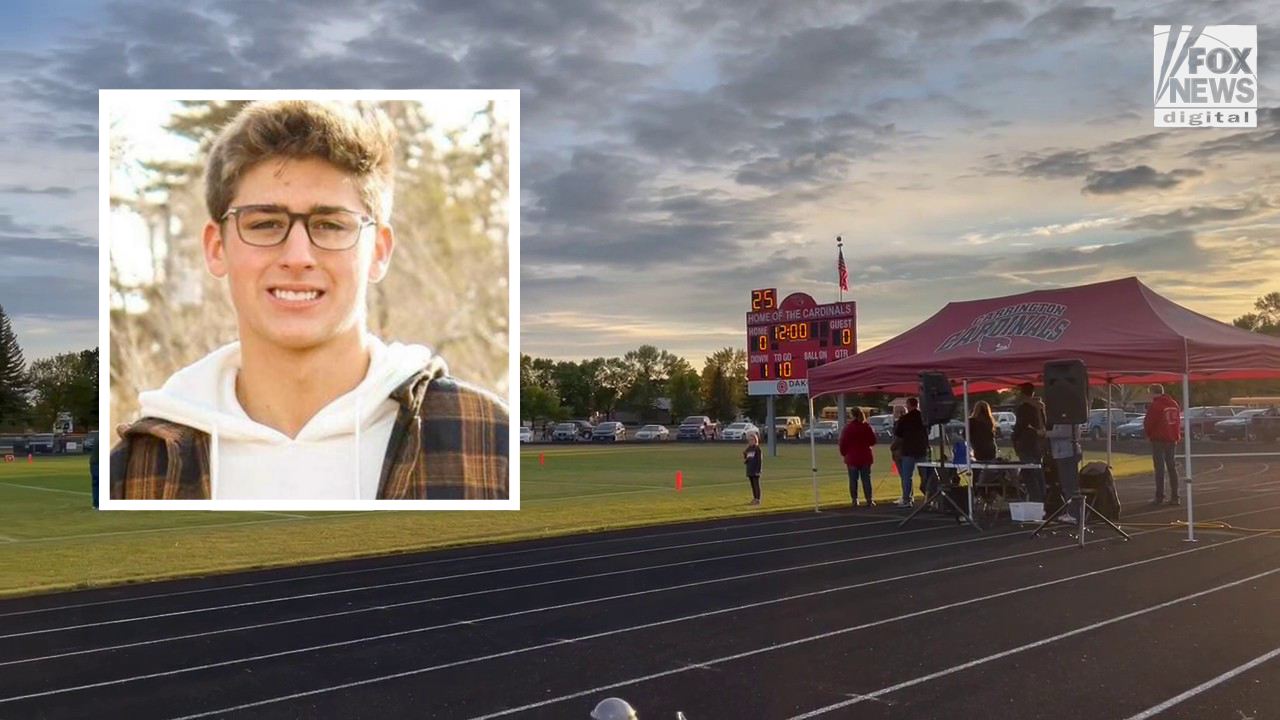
{"x": 1204, "y": 76}
{"x": 995, "y": 332}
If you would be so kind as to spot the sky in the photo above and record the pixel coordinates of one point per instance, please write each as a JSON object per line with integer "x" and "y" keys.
{"x": 677, "y": 154}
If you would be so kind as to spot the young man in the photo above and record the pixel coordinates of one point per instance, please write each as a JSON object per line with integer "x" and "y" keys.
{"x": 307, "y": 404}
{"x": 1028, "y": 440}
{"x": 1066, "y": 458}
{"x": 753, "y": 458}
{"x": 1163, "y": 425}
{"x": 914, "y": 445}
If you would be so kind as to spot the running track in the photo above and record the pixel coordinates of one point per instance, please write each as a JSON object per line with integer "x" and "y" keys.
{"x": 832, "y": 615}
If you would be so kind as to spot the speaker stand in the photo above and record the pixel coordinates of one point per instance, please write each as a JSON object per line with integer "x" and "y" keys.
{"x": 1082, "y": 504}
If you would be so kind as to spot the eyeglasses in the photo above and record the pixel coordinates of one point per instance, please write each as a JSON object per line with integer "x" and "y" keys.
{"x": 328, "y": 229}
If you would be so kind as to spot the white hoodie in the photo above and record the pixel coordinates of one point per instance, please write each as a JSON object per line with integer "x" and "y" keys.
{"x": 337, "y": 455}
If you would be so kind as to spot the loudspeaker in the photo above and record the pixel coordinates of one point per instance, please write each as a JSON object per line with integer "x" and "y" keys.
{"x": 1066, "y": 392}
{"x": 937, "y": 402}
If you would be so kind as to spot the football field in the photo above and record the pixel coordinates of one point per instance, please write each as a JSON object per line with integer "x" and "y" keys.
{"x": 51, "y": 538}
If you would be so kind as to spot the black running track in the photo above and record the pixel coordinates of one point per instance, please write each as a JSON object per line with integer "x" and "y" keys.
{"x": 834, "y": 615}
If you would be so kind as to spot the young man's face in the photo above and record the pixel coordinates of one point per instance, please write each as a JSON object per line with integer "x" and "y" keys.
{"x": 295, "y": 295}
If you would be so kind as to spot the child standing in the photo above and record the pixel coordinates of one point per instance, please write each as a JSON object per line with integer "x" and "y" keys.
{"x": 753, "y": 458}
{"x": 855, "y": 446}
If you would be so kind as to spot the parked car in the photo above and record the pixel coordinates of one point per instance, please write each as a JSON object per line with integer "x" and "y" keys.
{"x": 572, "y": 431}
{"x": 609, "y": 432}
{"x": 883, "y": 425}
{"x": 1239, "y": 427}
{"x": 1096, "y": 426}
{"x": 739, "y": 431}
{"x": 955, "y": 433}
{"x": 1202, "y": 419}
{"x": 697, "y": 427}
{"x": 1132, "y": 431}
{"x": 1265, "y": 427}
{"x": 1004, "y": 423}
{"x": 788, "y": 426}
{"x": 91, "y": 442}
{"x": 526, "y": 434}
{"x": 41, "y": 445}
{"x": 824, "y": 430}
{"x": 652, "y": 432}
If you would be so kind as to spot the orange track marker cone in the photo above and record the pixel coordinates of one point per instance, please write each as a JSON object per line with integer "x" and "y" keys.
{"x": 31, "y": 457}
{"x": 679, "y": 481}
{"x": 542, "y": 458}
{"x": 895, "y": 468}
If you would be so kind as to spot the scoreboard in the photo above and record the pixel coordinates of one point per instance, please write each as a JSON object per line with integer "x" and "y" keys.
{"x": 786, "y": 339}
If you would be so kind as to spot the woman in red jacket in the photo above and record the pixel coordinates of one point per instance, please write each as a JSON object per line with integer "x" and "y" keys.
{"x": 855, "y": 446}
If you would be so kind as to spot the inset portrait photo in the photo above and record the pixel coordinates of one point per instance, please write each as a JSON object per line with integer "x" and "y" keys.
{"x": 308, "y": 299}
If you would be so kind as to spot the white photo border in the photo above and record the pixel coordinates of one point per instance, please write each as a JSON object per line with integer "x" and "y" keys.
{"x": 107, "y": 430}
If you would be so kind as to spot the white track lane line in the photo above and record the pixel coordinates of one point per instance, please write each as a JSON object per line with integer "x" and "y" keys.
{"x": 1151, "y": 712}
{"x": 461, "y": 623}
{"x": 388, "y": 606}
{"x": 704, "y": 664}
{"x": 479, "y": 556}
{"x": 1030, "y": 646}
{"x": 421, "y": 581}
{"x": 621, "y": 630}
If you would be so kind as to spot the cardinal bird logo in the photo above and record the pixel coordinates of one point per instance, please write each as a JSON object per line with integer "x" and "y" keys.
{"x": 991, "y": 345}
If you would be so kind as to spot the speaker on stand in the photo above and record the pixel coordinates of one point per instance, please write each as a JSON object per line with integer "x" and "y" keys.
{"x": 1066, "y": 402}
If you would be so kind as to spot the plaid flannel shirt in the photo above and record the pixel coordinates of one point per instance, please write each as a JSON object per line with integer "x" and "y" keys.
{"x": 449, "y": 442}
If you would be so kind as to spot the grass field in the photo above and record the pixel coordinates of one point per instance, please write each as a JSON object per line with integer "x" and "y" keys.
{"x": 51, "y": 538}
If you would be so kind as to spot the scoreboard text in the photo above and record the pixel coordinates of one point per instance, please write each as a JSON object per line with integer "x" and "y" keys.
{"x": 786, "y": 339}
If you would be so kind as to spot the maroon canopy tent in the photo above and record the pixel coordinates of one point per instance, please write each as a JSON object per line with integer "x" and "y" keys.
{"x": 1122, "y": 330}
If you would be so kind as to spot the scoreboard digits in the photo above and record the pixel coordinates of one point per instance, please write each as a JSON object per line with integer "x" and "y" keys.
{"x": 785, "y": 339}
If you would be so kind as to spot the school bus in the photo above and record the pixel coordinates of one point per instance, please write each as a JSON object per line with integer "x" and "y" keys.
{"x": 1256, "y": 402}
{"x": 831, "y": 412}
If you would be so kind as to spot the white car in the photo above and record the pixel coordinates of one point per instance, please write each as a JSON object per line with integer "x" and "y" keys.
{"x": 1004, "y": 423}
{"x": 526, "y": 434}
{"x": 652, "y": 432}
{"x": 739, "y": 431}
{"x": 824, "y": 430}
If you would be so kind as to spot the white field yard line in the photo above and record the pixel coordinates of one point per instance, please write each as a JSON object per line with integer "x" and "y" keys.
{"x": 539, "y": 584}
{"x": 475, "y": 621}
{"x": 421, "y": 581}
{"x": 1031, "y": 646}
{"x": 460, "y": 623}
{"x": 701, "y": 665}
{"x": 464, "y": 558}
{"x": 1151, "y": 712}
{"x": 44, "y": 489}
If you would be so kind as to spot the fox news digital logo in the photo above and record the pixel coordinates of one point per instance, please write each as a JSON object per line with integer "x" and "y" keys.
{"x": 1205, "y": 76}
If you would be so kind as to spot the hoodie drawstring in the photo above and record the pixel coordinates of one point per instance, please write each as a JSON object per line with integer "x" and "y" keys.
{"x": 213, "y": 464}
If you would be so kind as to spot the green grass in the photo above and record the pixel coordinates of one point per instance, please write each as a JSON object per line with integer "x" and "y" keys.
{"x": 52, "y": 539}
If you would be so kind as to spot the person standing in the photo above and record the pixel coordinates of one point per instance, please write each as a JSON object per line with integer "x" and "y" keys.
{"x": 1163, "y": 425}
{"x": 855, "y": 447}
{"x": 753, "y": 458}
{"x": 1028, "y": 440}
{"x": 914, "y": 437}
{"x": 982, "y": 436}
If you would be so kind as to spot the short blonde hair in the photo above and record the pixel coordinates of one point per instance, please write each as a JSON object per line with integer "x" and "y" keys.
{"x": 360, "y": 145}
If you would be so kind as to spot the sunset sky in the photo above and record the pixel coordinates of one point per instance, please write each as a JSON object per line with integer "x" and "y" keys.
{"x": 679, "y": 153}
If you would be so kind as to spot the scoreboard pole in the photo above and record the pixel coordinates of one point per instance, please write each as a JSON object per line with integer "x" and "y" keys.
{"x": 771, "y": 427}
{"x": 843, "y": 418}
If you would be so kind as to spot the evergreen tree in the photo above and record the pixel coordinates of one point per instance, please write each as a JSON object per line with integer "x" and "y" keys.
{"x": 13, "y": 374}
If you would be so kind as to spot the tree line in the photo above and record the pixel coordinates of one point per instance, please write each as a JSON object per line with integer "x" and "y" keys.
{"x": 557, "y": 390}
{"x": 31, "y": 397}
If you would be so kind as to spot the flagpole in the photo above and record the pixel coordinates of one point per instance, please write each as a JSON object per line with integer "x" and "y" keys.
{"x": 839, "y": 286}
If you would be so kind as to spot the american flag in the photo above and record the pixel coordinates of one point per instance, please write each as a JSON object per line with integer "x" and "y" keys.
{"x": 844, "y": 273}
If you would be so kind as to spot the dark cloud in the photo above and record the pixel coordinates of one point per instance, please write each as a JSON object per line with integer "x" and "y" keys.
{"x": 1065, "y": 164}
{"x": 77, "y": 251}
{"x": 1200, "y": 215}
{"x": 1066, "y": 21}
{"x": 815, "y": 66}
{"x": 1265, "y": 138}
{"x": 1106, "y": 182}
{"x": 53, "y": 191}
{"x": 1001, "y": 48}
{"x": 50, "y": 296}
{"x": 596, "y": 185}
{"x": 953, "y": 18}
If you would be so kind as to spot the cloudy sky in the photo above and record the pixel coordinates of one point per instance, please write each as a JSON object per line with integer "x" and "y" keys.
{"x": 678, "y": 153}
